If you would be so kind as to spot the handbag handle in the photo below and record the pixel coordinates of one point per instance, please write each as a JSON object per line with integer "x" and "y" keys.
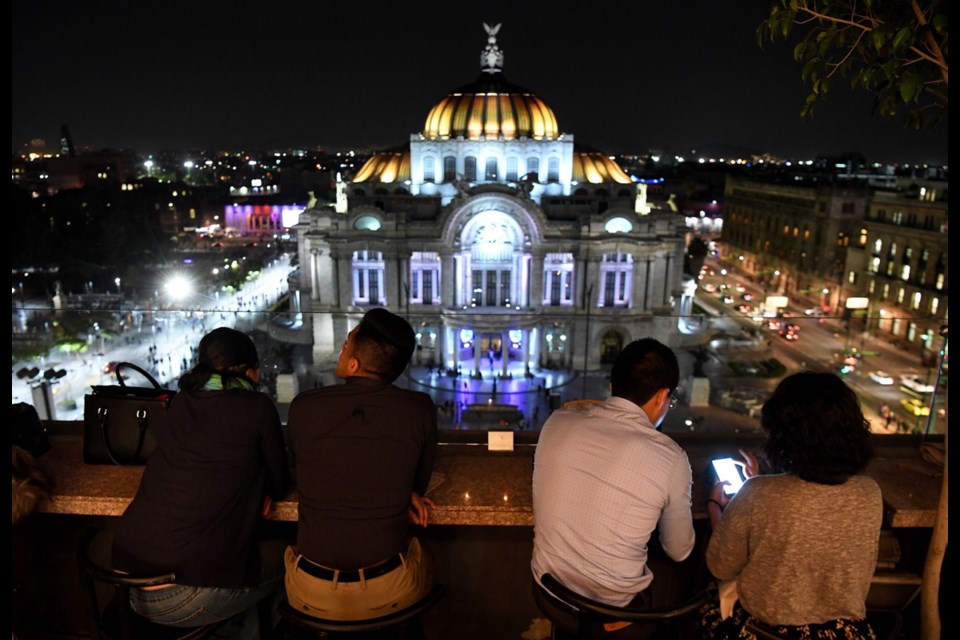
{"x": 102, "y": 413}
{"x": 130, "y": 365}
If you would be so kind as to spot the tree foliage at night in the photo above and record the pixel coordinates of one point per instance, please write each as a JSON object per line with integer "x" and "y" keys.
{"x": 896, "y": 50}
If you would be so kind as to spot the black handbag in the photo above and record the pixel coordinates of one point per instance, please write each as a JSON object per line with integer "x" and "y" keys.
{"x": 120, "y": 423}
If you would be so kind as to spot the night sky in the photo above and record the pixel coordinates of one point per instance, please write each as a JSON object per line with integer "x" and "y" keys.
{"x": 678, "y": 76}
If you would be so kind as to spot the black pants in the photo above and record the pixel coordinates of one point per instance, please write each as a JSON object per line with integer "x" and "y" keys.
{"x": 672, "y": 583}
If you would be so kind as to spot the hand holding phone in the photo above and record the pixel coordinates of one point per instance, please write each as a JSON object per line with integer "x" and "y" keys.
{"x": 730, "y": 472}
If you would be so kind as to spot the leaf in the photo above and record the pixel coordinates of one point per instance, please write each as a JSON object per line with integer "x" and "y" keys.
{"x": 909, "y": 89}
{"x": 940, "y": 24}
{"x": 904, "y": 38}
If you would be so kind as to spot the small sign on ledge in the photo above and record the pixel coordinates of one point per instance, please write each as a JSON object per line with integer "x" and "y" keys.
{"x": 500, "y": 440}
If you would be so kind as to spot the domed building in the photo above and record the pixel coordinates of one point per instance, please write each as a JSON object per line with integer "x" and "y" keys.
{"x": 494, "y": 233}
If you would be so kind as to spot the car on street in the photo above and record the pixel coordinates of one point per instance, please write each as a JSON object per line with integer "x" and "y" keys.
{"x": 790, "y": 331}
{"x": 110, "y": 367}
{"x": 881, "y": 377}
{"x": 913, "y": 382}
{"x": 915, "y": 407}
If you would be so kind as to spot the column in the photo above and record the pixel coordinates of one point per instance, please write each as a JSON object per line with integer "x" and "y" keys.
{"x": 536, "y": 279}
{"x": 505, "y": 352}
{"x": 391, "y": 277}
{"x": 344, "y": 279}
{"x": 448, "y": 282}
{"x": 667, "y": 279}
{"x": 314, "y": 277}
{"x": 525, "y": 334}
{"x": 476, "y": 352}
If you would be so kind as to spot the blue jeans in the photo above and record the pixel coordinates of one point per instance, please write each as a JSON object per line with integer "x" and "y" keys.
{"x": 187, "y": 606}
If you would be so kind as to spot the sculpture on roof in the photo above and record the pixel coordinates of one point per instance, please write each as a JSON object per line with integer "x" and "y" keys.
{"x": 462, "y": 185}
{"x": 491, "y": 60}
{"x": 524, "y": 187}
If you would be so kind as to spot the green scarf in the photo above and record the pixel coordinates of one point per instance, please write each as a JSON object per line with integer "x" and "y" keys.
{"x": 216, "y": 383}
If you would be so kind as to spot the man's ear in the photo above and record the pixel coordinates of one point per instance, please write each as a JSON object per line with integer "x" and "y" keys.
{"x": 663, "y": 396}
{"x": 353, "y": 366}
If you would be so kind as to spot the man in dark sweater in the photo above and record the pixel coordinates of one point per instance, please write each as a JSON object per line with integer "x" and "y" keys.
{"x": 363, "y": 453}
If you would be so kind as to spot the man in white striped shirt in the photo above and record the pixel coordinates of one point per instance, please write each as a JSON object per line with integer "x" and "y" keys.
{"x": 605, "y": 479}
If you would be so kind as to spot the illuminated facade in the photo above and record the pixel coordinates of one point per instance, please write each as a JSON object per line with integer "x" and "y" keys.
{"x": 491, "y": 230}
{"x": 900, "y": 263}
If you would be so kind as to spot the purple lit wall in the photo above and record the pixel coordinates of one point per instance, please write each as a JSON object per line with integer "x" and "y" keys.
{"x": 261, "y": 218}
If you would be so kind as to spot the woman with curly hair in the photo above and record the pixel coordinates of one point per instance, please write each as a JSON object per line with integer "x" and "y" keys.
{"x": 800, "y": 544}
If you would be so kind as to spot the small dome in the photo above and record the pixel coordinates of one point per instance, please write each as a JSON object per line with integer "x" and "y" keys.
{"x": 593, "y": 167}
{"x": 389, "y": 165}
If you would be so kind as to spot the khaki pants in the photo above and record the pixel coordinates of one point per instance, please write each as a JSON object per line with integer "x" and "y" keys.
{"x": 361, "y": 600}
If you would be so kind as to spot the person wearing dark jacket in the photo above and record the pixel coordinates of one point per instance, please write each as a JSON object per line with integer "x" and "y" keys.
{"x": 363, "y": 453}
{"x": 219, "y": 465}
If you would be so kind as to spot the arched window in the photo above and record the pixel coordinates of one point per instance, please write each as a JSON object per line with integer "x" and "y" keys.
{"x": 553, "y": 170}
{"x": 470, "y": 168}
{"x": 618, "y": 225}
{"x": 512, "y": 168}
{"x": 429, "y": 172}
{"x": 533, "y": 169}
{"x": 366, "y": 223}
{"x": 449, "y": 169}
{"x": 491, "y": 170}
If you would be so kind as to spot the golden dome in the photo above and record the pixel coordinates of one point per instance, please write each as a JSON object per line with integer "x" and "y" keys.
{"x": 593, "y": 167}
{"x": 389, "y": 165}
{"x": 491, "y": 108}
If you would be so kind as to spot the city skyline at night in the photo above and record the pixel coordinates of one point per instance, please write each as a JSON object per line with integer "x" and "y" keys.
{"x": 682, "y": 79}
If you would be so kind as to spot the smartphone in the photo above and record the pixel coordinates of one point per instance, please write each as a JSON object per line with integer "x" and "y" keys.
{"x": 729, "y": 471}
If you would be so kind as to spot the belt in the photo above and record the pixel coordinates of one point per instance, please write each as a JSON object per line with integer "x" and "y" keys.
{"x": 369, "y": 573}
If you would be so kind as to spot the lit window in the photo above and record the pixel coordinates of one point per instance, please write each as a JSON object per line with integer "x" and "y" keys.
{"x": 618, "y": 225}
{"x": 366, "y": 223}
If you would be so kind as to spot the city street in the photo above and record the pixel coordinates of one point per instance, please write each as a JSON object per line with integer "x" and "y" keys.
{"x": 819, "y": 343}
{"x": 159, "y": 341}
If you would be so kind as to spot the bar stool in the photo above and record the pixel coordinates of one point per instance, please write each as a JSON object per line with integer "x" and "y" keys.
{"x": 116, "y": 620}
{"x": 590, "y": 612}
{"x": 403, "y": 624}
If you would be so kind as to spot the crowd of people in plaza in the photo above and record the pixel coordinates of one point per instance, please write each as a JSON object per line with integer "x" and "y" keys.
{"x": 791, "y": 554}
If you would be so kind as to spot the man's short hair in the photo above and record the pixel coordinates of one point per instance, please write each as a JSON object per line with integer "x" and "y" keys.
{"x": 386, "y": 342}
{"x": 643, "y": 368}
